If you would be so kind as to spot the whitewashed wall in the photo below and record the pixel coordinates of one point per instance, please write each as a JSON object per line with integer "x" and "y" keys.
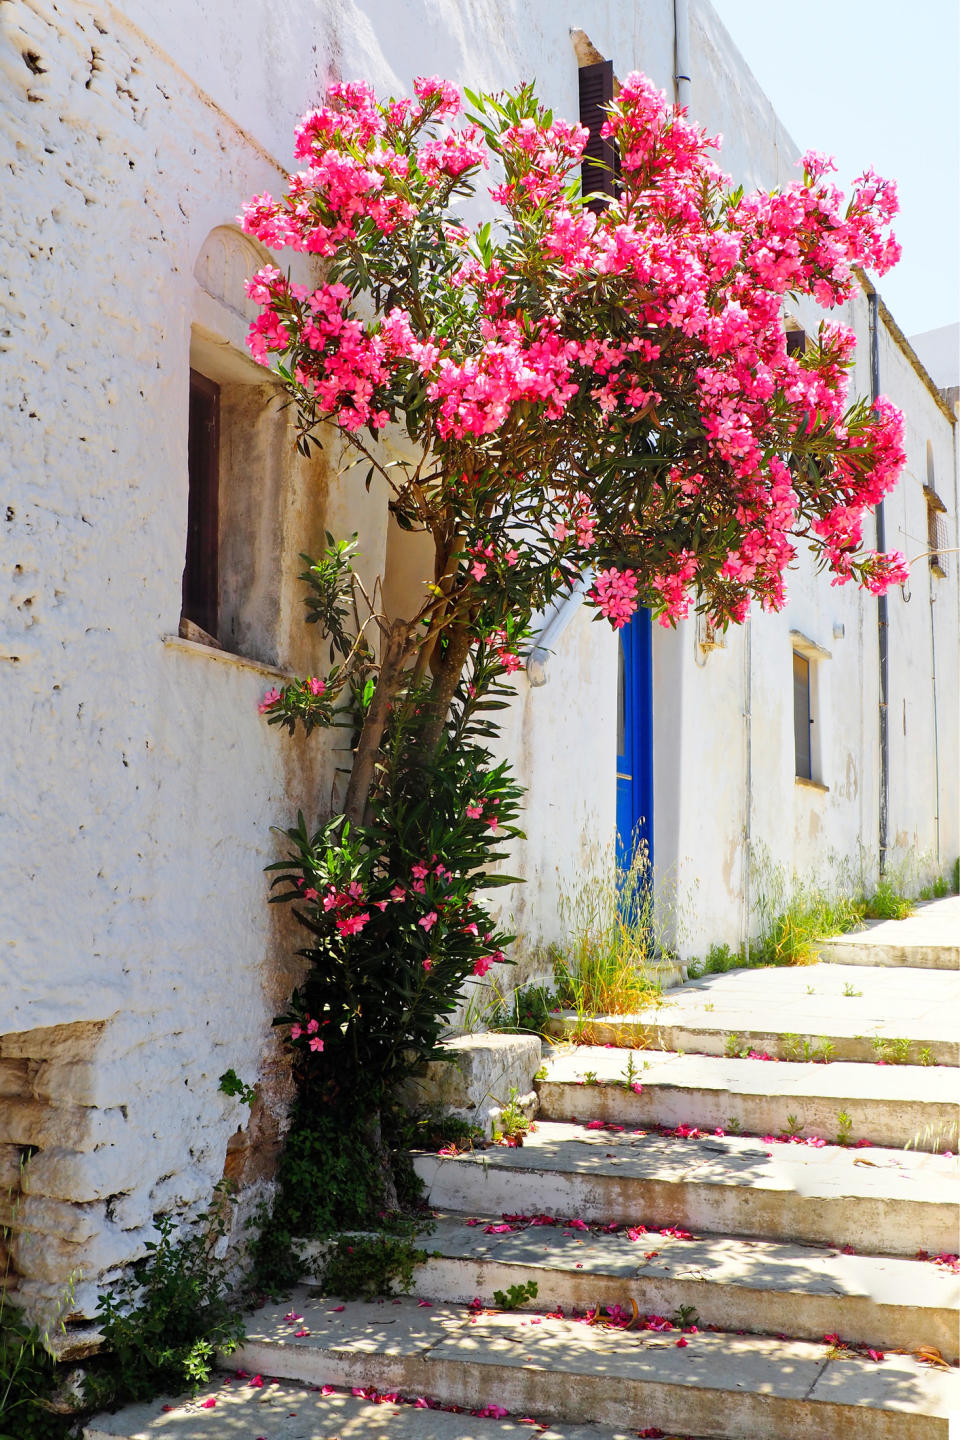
{"x": 139, "y": 959}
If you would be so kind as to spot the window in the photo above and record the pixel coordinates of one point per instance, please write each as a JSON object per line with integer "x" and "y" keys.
{"x": 796, "y": 340}
{"x": 802, "y": 719}
{"x": 810, "y": 705}
{"x": 201, "y": 585}
{"x": 598, "y": 172}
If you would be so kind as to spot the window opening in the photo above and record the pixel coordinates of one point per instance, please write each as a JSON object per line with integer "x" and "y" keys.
{"x": 599, "y": 169}
{"x": 201, "y": 582}
{"x": 802, "y": 719}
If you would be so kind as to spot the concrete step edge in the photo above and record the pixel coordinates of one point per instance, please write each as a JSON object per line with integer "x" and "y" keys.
{"x": 721, "y": 1385}
{"x": 751, "y": 1286}
{"x": 882, "y": 1201}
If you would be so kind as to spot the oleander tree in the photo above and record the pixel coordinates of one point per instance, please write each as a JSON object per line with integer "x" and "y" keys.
{"x": 578, "y": 384}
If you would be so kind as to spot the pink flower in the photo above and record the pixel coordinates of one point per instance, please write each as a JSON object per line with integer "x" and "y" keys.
{"x": 310, "y": 894}
{"x": 313, "y": 1026}
{"x": 208, "y": 1404}
{"x": 316, "y": 1043}
{"x": 428, "y": 921}
{"x": 428, "y": 964}
{"x": 269, "y": 700}
{"x": 474, "y": 812}
{"x": 316, "y": 687}
{"x": 296, "y": 1031}
{"x": 352, "y": 924}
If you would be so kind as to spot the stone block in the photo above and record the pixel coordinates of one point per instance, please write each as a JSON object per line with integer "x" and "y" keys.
{"x": 60, "y": 1042}
{"x": 14, "y": 1078}
{"x": 39, "y": 1215}
{"x": 475, "y": 1079}
{"x": 73, "y": 1127}
{"x": 84, "y": 1175}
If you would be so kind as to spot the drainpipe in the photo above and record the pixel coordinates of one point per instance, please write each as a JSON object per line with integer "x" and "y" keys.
{"x": 681, "y": 52}
{"x": 883, "y": 630}
{"x": 558, "y": 618}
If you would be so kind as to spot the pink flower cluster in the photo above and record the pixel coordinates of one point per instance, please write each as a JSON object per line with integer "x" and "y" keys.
{"x": 614, "y": 593}
{"x": 308, "y": 1031}
{"x": 347, "y": 907}
{"x": 702, "y": 274}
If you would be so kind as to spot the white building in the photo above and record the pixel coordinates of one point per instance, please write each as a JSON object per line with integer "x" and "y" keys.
{"x": 140, "y": 960}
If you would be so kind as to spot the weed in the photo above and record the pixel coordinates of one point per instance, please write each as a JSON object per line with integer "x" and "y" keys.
{"x": 523, "y": 1011}
{"x": 733, "y": 1126}
{"x": 793, "y": 915}
{"x": 812, "y": 1052}
{"x": 231, "y": 1084}
{"x": 811, "y": 990}
{"x": 709, "y": 1005}
{"x": 794, "y": 1126}
{"x": 630, "y": 1079}
{"x": 685, "y": 1315}
{"x": 849, "y": 991}
{"x": 844, "y": 1128}
{"x": 541, "y": 1073}
{"x": 893, "y": 1050}
{"x": 935, "y": 1138}
{"x": 515, "y": 1295}
{"x": 887, "y": 904}
{"x": 365, "y": 1266}
{"x": 167, "y": 1319}
{"x": 589, "y": 1077}
{"x": 513, "y": 1124}
{"x": 612, "y": 937}
{"x": 733, "y": 1047}
{"x": 926, "y": 1056}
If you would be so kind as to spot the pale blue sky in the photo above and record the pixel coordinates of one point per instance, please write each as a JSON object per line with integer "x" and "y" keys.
{"x": 874, "y": 82}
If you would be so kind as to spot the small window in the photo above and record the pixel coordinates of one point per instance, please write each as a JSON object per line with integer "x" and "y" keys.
{"x": 600, "y": 160}
{"x": 802, "y": 719}
{"x": 201, "y": 570}
{"x": 796, "y": 342}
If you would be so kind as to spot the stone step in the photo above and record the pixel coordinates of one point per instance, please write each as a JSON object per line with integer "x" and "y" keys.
{"x": 886, "y": 1202}
{"x": 288, "y": 1411}
{"x": 929, "y": 939}
{"x": 726, "y": 1386}
{"x": 833, "y": 1012}
{"x": 737, "y": 1285}
{"x": 890, "y": 1105}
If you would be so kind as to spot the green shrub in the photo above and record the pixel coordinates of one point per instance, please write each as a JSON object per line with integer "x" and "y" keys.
{"x": 364, "y": 1266}
{"x": 167, "y": 1318}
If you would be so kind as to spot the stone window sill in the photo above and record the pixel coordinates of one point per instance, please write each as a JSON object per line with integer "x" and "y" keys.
{"x": 811, "y": 784}
{"x": 225, "y": 657}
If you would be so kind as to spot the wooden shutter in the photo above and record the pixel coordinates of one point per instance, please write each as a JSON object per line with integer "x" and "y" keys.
{"x": 201, "y": 579}
{"x": 801, "y": 715}
{"x": 598, "y": 172}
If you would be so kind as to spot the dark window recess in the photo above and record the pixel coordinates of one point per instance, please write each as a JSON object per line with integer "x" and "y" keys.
{"x": 599, "y": 169}
{"x": 796, "y": 342}
{"x": 801, "y": 715}
{"x": 201, "y": 570}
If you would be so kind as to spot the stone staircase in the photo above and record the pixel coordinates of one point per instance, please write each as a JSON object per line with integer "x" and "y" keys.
{"x": 709, "y": 1260}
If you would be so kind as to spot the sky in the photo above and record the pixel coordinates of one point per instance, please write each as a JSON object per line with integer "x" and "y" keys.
{"x": 874, "y": 83}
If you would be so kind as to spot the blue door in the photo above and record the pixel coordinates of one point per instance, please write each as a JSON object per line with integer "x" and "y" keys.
{"x": 635, "y": 742}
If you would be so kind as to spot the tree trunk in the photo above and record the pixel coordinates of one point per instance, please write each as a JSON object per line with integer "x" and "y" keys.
{"x": 444, "y": 686}
{"x": 368, "y": 746}
{"x": 373, "y": 1130}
